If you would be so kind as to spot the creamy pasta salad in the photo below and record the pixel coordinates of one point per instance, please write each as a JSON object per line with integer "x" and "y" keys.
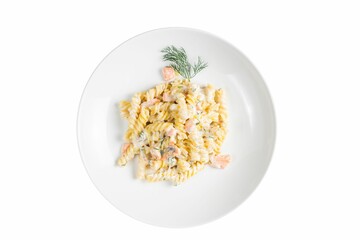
{"x": 177, "y": 127}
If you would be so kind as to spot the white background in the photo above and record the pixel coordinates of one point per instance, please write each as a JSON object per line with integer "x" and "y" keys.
{"x": 307, "y": 51}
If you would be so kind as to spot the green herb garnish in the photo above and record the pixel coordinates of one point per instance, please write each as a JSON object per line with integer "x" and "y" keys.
{"x": 142, "y": 136}
{"x": 162, "y": 141}
{"x": 179, "y": 61}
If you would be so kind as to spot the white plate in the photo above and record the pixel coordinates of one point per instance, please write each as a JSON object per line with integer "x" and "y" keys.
{"x": 135, "y": 66}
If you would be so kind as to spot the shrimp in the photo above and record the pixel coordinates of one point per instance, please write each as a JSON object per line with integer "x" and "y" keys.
{"x": 168, "y": 97}
{"x": 220, "y": 161}
{"x": 168, "y": 73}
{"x": 150, "y": 102}
{"x": 190, "y": 125}
{"x": 171, "y": 132}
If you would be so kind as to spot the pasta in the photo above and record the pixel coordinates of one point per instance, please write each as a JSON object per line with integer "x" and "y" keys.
{"x": 176, "y": 128}
{"x": 124, "y": 109}
{"x": 127, "y": 154}
{"x": 194, "y": 169}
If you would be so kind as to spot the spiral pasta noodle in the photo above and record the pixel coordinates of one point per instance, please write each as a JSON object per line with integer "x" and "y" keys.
{"x": 140, "y": 122}
{"x": 194, "y": 169}
{"x": 141, "y": 167}
{"x": 128, "y": 154}
{"x": 180, "y": 128}
{"x": 124, "y": 107}
{"x": 223, "y": 115}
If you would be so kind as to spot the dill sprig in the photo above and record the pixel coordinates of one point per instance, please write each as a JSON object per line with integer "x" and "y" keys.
{"x": 179, "y": 61}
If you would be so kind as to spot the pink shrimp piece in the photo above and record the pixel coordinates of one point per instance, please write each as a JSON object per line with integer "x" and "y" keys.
{"x": 168, "y": 98}
{"x": 164, "y": 156}
{"x": 190, "y": 125}
{"x": 155, "y": 153}
{"x": 124, "y": 147}
{"x": 150, "y": 102}
{"x": 168, "y": 73}
{"x": 171, "y": 132}
{"x": 220, "y": 161}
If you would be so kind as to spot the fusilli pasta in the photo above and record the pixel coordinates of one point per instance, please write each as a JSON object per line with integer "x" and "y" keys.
{"x": 177, "y": 128}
